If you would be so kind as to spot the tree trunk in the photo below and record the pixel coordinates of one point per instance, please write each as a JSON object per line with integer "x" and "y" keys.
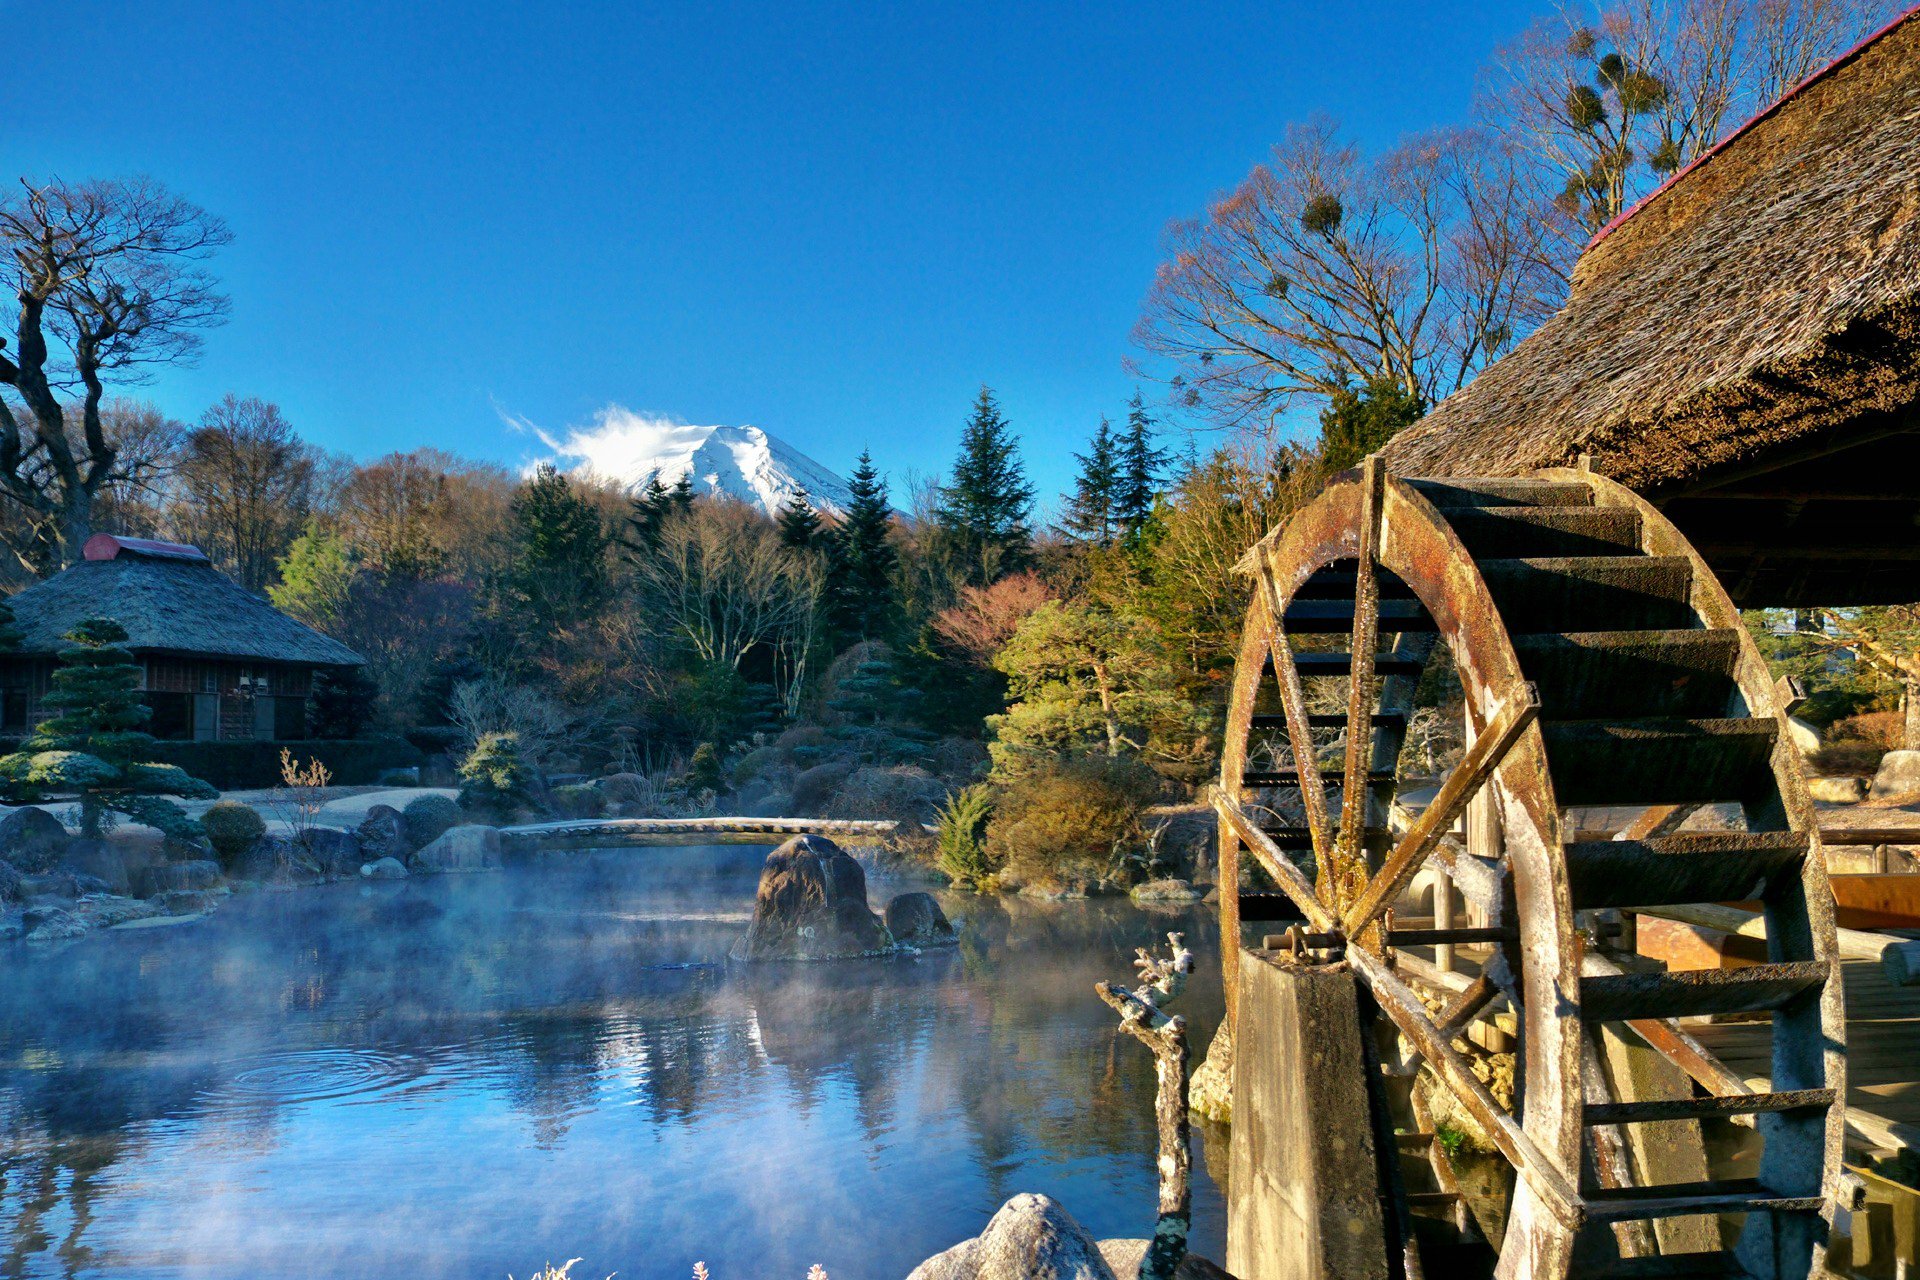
{"x": 1910, "y": 706}
{"x": 76, "y": 525}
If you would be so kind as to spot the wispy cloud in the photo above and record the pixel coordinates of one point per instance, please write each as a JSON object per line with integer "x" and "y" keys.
{"x": 616, "y": 444}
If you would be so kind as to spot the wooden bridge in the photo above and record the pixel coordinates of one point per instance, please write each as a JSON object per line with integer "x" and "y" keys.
{"x": 601, "y": 833}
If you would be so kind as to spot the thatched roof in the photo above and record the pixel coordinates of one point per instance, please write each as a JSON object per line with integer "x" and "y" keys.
{"x": 170, "y": 600}
{"x": 1766, "y": 299}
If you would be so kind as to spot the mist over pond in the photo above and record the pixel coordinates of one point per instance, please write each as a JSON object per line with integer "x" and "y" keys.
{"x": 466, "y": 1076}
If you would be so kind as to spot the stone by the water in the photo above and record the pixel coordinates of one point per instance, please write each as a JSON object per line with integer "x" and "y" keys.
{"x": 276, "y": 860}
{"x": 165, "y": 877}
{"x": 916, "y": 918}
{"x": 1166, "y": 891}
{"x": 384, "y": 869}
{"x": 1032, "y": 1237}
{"x": 1837, "y": 790}
{"x": 812, "y": 905}
{"x": 32, "y": 839}
{"x": 383, "y": 834}
{"x": 1210, "y": 1089}
{"x": 101, "y": 859}
{"x": 470, "y": 848}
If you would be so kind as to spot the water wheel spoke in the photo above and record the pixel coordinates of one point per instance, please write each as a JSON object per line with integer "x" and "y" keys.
{"x": 1293, "y": 704}
{"x": 1291, "y": 880}
{"x": 1342, "y": 879}
{"x": 1476, "y": 767}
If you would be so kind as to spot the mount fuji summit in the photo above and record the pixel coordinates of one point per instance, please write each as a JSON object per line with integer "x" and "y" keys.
{"x": 741, "y": 462}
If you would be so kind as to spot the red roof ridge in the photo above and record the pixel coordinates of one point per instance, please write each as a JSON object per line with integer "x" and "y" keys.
{"x": 1758, "y": 116}
{"x": 109, "y": 546}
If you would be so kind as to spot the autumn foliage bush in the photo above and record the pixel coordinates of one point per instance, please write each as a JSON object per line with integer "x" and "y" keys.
{"x": 1070, "y": 822}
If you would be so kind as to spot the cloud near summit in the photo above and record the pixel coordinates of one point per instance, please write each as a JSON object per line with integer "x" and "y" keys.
{"x": 622, "y": 445}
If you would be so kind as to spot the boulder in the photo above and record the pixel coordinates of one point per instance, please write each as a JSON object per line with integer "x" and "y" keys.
{"x": 384, "y": 869}
{"x": 1899, "y": 774}
{"x": 51, "y": 924}
{"x": 625, "y": 788}
{"x": 917, "y": 918}
{"x": 1124, "y": 1257}
{"x": 276, "y": 860}
{"x": 1166, "y": 891}
{"x": 1803, "y": 735}
{"x": 383, "y": 835}
{"x": 469, "y": 848}
{"x": 9, "y": 882}
{"x": 100, "y": 859}
{"x": 335, "y": 852}
{"x": 165, "y": 877}
{"x": 184, "y": 902}
{"x": 104, "y": 910}
{"x": 1838, "y": 790}
{"x": 32, "y": 839}
{"x": 51, "y": 884}
{"x": 1210, "y": 1089}
{"x": 1031, "y": 1238}
{"x": 812, "y": 905}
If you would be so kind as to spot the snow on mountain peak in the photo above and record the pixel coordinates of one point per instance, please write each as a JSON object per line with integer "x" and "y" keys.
{"x": 742, "y": 462}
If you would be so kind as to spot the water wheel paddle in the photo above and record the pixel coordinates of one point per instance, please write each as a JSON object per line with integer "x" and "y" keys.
{"x": 1600, "y": 665}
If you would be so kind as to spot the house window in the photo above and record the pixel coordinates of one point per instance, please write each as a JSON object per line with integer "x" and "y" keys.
{"x": 172, "y": 715}
{"x": 210, "y": 683}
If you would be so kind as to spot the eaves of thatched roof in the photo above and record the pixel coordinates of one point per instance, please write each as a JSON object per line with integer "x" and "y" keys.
{"x": 169, "y": 603}
{"x": 1764, "y": 301}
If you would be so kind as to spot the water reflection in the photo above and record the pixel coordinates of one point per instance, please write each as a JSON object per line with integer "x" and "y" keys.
{"x": 468, "y": 1075}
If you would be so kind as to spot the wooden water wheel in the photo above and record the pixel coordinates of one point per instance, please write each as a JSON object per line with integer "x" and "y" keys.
{"x": 1600, "y": 664}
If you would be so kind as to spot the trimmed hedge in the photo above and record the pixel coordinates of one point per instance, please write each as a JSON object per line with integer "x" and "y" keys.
{"x": 233, "y": 766}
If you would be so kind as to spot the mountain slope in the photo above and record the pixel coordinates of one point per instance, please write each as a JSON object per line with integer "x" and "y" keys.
{"x": 741, "y": 462}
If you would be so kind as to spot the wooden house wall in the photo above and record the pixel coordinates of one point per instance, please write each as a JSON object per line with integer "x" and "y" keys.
{"x": 236, "y": 685}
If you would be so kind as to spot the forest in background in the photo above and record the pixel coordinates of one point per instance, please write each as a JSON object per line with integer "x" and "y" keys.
{"x": 933, "y": 648}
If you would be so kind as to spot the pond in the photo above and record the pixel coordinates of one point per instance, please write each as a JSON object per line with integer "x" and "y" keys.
{"x": 468, "y": 1076}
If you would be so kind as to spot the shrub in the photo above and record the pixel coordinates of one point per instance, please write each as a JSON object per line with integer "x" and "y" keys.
{"x": 399, "y": 777}
{"x": 1883, "y": 729}
{"x": 232, "y": 828}
{"x": 581, "y": 801}
{"x": 704, "y": 772}
{"x": 903, "y": 793}
{"x": 427, "y": 818}
{"x": 1071, "y": 821}
{"x": 495, "y": 778}
{"x": 815, "y": 786}
{"x": 963, "y": 834}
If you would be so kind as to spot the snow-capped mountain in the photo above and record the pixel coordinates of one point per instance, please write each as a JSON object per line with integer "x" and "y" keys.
{"x": 742, "y": 462}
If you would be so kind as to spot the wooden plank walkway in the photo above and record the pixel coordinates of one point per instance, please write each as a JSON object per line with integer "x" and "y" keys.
{"x": 614, "y": 832}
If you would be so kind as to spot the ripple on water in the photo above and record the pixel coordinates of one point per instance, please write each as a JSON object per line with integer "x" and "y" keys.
{"x": 318, "y": 1075}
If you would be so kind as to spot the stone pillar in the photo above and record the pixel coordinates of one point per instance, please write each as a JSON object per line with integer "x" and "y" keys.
{"x": 1304, "y": 1202}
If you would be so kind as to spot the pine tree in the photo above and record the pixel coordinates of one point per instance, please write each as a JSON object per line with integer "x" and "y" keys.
{"x": 1359, "y": 420}
{"x": 560, "y": 564}
{"x": 1090, "y": 511}
{"x": 646, "y": 512}
{"x": 1141, "y": 467}
{"x": 94, "y": 742}
{"x": 799, "y": 523}
{"x": 861, "y": 603}
{"x": 985, "y": 508}
{"x": 680, "y": 497}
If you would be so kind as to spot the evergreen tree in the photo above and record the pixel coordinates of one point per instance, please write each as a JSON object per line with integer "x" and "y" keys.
{"x": 1090, "y": 511}
{"x": 1141, "y": 468}
{"x": 799, "y": 523}
{"x": 984, "y": 510}
{"x": 680, "y": 497}
{"x": 646, "y": 512}
{"x": 343, "y": 701}
{"x": 560, "y": 565}
{"x": 94, "y": 742}
{"x": 1359, "y": 420}
{"x": 861, "y": 603}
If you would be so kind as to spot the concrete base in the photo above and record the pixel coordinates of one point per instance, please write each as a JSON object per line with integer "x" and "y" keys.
{"x": 1672, "y": 1151}
{"x": 1303, "y": 1198}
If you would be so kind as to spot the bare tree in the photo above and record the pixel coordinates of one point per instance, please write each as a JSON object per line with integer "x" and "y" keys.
{"x": 721, "y": 582}
{"x": 1325, "y": 267}
{"x": 110, "y": 278}
{"x": 245, "y": 484}
{"x": 1608, "y": 103}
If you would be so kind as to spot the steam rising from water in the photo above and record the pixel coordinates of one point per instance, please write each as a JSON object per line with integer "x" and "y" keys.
{"x": 464, "y": 1076}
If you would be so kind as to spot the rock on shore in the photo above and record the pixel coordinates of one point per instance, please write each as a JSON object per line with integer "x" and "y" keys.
{"x": 812, "y": 905}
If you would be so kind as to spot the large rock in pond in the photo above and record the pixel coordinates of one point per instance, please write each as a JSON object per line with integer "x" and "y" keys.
{"x": 916, "y": 918}
{"x": 1899, "y": 775}
{"x": 335, "y": 852}
{"x": 1031, "y": 1238}
{"x": 9, "y": 882}
{"x": 469, "y": 848}
{"x": 383, "y": 835}
{"x": 384, "y": 869}
{"x": 276, "y": 860}
{"x": 101, "y": 859}
{"x": 166, "y": 877}
{"x": 812, "y": 905}
{"x": 32, "y": 840}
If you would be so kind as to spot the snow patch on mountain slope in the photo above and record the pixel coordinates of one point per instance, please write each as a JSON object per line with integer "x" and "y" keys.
{"x": 741, "y": 462}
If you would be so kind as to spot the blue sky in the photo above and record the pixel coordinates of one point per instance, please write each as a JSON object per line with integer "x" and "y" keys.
{"x": 834, "y": 222}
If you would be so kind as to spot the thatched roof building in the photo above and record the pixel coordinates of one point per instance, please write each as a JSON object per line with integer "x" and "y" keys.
{"x": 219, "y": 661}
{"x": 1744, "y": 348}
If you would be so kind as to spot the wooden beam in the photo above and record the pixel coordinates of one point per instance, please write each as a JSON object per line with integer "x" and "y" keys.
{"x": 1477, "y": 765}
{"x": 1898, "y": 958}
{"x": 1274, "y": 859}
{"x": 1293, "y": 703}
{"x": 1348, "y": 859}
